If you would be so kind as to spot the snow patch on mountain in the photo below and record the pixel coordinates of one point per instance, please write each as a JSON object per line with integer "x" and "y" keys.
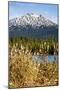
{"x": 31, "y": 19}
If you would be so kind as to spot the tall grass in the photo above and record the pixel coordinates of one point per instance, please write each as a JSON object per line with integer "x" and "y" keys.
{"x": 48, "y": 46}
{"x": 23, "y": 71}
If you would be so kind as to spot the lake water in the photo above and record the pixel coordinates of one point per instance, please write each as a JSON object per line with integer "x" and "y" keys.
{"x": 41, "y": 58}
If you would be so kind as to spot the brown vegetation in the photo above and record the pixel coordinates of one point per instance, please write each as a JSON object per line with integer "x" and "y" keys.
{"x": 23, "y": 72}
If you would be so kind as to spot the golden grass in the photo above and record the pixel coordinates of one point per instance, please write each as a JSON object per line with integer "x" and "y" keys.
{"x": 23, "y": 72}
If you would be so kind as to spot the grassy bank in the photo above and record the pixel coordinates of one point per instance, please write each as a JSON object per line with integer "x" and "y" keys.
{"x": 23, "y": 71}
{"x": 48, "y": 46}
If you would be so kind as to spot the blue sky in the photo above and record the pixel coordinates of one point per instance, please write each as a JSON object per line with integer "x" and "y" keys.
{"x": 17, "y": 9}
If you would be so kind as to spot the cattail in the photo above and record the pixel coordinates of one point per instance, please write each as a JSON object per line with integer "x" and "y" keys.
{"x": 16, "y": 44}
{"x": 37, "y": 53}
{"x": 22, "y": 47}
{"x": 34, "y": 53}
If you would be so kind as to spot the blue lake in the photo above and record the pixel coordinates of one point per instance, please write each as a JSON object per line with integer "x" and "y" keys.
{"x": 41, "y": 58}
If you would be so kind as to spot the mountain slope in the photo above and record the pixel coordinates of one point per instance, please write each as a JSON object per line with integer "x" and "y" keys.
{"x": 32, "y": 25}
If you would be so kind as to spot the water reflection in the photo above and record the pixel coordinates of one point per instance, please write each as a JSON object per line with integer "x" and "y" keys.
{"x": 42, "y": 58}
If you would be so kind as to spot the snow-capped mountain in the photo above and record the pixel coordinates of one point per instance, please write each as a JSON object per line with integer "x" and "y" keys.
{"x": 32, "y": 25}
{"x": 31, "y": 19}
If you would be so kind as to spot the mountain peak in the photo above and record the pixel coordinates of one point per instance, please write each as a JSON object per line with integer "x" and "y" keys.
{"x": 31, "y": 19}
{"x": 33, "y": 15}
